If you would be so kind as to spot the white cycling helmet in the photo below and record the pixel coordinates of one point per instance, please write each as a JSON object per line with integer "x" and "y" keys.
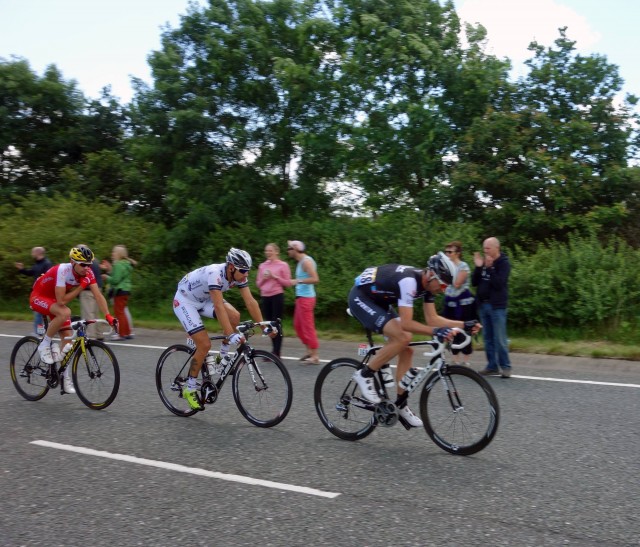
{"x": 239, "y": 258}
{"x": 442, "y": 266}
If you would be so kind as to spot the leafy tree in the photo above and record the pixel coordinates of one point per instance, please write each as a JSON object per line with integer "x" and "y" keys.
{"x": 40, "y": 117}
{"x": 412, "y": 90}
{"x": 545, "y": 161}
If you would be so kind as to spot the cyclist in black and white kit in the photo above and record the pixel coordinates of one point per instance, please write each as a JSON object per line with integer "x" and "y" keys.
{"x": 377, "y": 291}
{"x": 199, "y": 295}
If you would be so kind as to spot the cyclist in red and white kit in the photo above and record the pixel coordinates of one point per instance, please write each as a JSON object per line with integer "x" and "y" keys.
{"x": 50, "y": 295}
{"x": 199, "y": 295}
{"x": 372, "y": 301}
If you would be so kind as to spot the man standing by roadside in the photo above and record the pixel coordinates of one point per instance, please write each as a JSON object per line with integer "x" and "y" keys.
{"x": 491, "y": 277}
{"x": 41, "y": 265}
{"x": 303, "y": 318}
{"x": 88, "y": 303}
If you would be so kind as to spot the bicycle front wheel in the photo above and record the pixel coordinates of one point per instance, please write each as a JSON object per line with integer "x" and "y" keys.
{"x": 28, "y": 372}
{"x": 339, "y": 402}
{"x": 262, "y": 389}
{"x": 171, "y": 375}
{"x": 96, "y": 374}
{"x": 459, "y": 410}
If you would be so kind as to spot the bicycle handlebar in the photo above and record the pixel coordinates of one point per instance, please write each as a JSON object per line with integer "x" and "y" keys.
{"x": 438, "y": 346}
{"x": 245, "y": 326}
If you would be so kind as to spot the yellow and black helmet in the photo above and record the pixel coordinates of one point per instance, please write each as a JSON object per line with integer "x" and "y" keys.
{"x": 81, "y": 254}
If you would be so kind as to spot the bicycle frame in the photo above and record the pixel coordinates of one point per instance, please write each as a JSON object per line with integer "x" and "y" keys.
{"x": 210, "y": 390}
{"x": 435, "y": 364}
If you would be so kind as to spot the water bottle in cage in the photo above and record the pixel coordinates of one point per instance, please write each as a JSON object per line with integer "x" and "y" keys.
{"x": 408, "y": 378}
{"x": 212, "y": 365}
{"x": 225, "y": 362}
{"x": 387, "y": 376}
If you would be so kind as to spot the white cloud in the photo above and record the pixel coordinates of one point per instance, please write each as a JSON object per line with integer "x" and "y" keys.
{"x": 513, "y": 24}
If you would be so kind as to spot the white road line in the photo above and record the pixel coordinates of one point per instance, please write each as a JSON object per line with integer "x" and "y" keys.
{"x": 615, "y": 384}
{"x": 191, "y": 470}
{"x": 565, "y": 380}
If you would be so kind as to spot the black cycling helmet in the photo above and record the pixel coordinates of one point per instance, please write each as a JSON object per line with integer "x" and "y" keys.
{"x": 81, "y": 254}
{"x": 239, "y": 258}
{"x": 442, "y": 266}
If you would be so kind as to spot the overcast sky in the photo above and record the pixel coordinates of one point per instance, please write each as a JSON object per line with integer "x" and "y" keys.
{"x": 104, "y": 43}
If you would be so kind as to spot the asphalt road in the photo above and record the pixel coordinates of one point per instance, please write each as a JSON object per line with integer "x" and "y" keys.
{"x": 564, "y": 468}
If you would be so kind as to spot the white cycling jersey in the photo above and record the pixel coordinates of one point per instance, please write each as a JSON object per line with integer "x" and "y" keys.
{"x": 192, "y": 299}
{"x": 196, "y": 284}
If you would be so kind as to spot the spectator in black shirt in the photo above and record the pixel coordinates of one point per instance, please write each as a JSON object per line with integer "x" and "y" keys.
{"x": 40, "y": 266}
{"x": 491, "y": 277}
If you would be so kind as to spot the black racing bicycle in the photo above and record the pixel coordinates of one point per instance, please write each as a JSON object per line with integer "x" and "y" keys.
{"x": 262, "y": 388}
{"x": 94, "y": 368}
{"x": 458, "y": 407}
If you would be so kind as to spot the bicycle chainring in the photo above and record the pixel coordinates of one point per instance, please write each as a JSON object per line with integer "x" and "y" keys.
{"x": 386, "y": 414}
{"x": 208, "y": 393}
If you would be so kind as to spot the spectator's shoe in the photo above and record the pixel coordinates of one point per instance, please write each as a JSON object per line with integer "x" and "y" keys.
{"x": 506, "y": 372}
{"x": 490, "y": 372}
{"x": 466, "y": 364}
{"x": 45, "y": 354}
{"x": 409, "y": 417}
{"x": 367, "y": 387}
{"x": 67, "y": 383}
{"x": 56, "y": 353}
{"x": 117, "y": 338}
{"x": 191, "y": 396}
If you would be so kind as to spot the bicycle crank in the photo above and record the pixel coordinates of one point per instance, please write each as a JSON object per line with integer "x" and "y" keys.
{"x": 386, "y": 414}
{"x": 209, "y": 393}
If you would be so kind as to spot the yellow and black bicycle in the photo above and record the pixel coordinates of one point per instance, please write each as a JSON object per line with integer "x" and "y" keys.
{"x": 94, "y": 368}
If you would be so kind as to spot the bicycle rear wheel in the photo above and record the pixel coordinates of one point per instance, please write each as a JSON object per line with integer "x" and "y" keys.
{"x": 171, "y": 375}
{"x": 339, "y": 402}
{"x": 96, "y": 374}
{"x": 460, "y": 410}
{"x": 262, "y": 389}
{"x": 28, "y": 372}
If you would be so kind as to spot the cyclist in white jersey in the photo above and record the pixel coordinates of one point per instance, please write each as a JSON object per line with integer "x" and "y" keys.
{"x": 199, "y": 295}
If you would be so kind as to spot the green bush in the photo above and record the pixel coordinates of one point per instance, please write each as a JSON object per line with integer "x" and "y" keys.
{"x": 583, "y": 284}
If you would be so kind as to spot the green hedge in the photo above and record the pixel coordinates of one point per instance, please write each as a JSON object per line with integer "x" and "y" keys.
{"x": 581, "y": 283}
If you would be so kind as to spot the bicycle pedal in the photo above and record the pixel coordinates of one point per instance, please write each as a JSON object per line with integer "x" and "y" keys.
{"x": 405, "y": 424}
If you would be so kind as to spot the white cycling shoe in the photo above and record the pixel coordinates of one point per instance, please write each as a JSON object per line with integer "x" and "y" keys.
{"x": 410, "y": 417}
{"x": 67, "y": 383}
{"x": 367, "y": 387}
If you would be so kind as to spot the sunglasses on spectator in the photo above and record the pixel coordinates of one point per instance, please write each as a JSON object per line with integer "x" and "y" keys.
{"x": 450, "y": 252}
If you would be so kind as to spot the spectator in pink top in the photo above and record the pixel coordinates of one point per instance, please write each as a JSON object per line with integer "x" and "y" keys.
{"x": 273, "y": 275}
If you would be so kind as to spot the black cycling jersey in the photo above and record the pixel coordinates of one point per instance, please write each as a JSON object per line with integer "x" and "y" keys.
{"x": 393, "y": 284}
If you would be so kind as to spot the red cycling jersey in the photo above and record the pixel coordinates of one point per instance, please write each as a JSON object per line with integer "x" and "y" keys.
{"x": 43, "y": 294}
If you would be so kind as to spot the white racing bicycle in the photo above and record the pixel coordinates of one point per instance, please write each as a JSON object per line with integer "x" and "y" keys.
{"x": 458, "y": 407}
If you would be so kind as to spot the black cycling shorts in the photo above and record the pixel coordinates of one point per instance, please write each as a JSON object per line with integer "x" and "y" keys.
{"x": 372, "y": 315}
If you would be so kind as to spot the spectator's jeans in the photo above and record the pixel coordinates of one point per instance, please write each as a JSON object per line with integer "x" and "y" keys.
{"x": 494, "y": 332}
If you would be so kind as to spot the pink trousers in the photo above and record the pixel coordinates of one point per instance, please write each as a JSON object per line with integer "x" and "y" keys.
{"x": 304, "y": 322}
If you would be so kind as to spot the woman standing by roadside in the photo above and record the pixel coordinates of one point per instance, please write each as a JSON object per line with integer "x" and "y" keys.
{"x": 119, "y": 279}
{"x": 459, "y": 302}
{"x": 273, "y": 275}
